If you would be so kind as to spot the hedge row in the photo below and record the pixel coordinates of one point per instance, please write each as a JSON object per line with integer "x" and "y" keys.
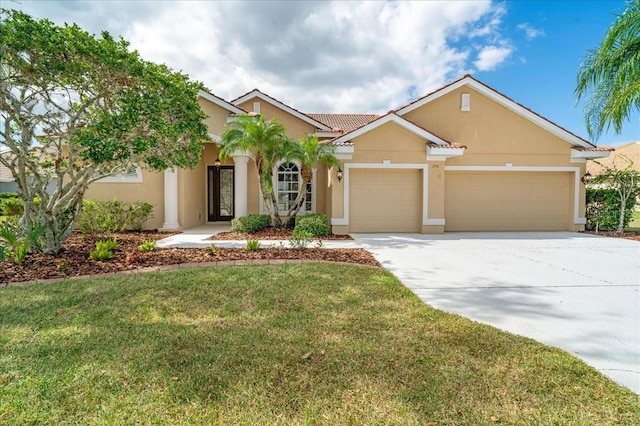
{"x": 603, "y": 209}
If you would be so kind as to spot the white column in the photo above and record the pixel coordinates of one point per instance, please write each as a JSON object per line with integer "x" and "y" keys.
{"x": 240, "y": 183}
{"x": 170, "y": 200}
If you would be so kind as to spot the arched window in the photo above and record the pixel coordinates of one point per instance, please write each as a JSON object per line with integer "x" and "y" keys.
{"x": 288, "y": 184}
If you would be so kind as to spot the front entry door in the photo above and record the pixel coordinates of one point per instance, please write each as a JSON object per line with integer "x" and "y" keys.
{"x": 220, "y": 193}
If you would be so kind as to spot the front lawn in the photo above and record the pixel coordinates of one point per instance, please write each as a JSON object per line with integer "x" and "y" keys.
{"x": 279, "y": 344}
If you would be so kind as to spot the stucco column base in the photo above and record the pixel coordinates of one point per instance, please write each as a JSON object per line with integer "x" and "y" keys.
{"x": 340, "y": 229}
{"x": 432, "y": 229}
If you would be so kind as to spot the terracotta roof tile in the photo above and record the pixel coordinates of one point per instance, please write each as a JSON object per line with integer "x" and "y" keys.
{"x": 618, "y": 159}
{"x": 343, "y": 122}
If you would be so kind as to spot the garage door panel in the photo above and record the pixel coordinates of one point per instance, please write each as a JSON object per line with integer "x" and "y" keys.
{"x": 385, "y": 200}
{"x": 505, "y": 201}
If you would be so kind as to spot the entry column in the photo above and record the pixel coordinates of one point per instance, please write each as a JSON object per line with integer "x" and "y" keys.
{"x": 240, "y": 182}
{"x": 170, "y": 200}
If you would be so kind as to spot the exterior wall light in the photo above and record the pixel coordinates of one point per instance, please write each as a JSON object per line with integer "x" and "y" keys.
{"x": 587, "y": 178}
{"x": 339, "y": 174}
{"x": 217, "y": 162}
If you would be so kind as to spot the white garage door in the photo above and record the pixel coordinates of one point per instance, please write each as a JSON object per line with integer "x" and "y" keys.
{"x": 507, "y": 201}
{"x": 388, "y": 200}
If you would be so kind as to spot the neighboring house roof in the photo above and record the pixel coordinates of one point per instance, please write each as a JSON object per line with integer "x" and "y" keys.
{"x": 343, "y": 122}
{"x": 255, "y": 93}
{"x": 503, "y": 100}
{"x": 619, "y": 159}
{"x": 391, "y": 117}
{"x": 221, "y": 102}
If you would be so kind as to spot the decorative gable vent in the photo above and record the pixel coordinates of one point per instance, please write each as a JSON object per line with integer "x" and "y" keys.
{"x": 465, "y": 102}
{"x": 256, "y": 107}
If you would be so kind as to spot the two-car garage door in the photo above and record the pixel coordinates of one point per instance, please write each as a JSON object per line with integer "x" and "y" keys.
{"x": 507, "y": 201}
{"x": 390, "y": 200}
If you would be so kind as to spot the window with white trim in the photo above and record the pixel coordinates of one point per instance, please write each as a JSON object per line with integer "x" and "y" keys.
{"x": 288, "y": 183}
{"x": 133, "y": 175}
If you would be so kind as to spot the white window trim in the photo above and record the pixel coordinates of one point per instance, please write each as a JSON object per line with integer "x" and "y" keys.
{"x": 303, "y": 211}
{"x": 121, "y": 178}
{"x": 577, "y": 220}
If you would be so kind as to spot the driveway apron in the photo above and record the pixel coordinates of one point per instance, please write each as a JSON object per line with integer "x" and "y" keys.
{"x": 577, "y": 292}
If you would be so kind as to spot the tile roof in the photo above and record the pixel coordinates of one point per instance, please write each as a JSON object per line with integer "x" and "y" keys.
{"x": 343, "y": 122}
{"x": 618, "y": 159}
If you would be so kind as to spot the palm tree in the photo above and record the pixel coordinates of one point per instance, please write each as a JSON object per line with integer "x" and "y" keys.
{"x": 308, "y": 152}
{"x": 267, "y": 143}
{"x": 610, "y": 75}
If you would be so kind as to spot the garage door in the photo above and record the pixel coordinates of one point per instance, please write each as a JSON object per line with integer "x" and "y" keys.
{"x": 482, "y": 201}
{"x": 385, "y": 200}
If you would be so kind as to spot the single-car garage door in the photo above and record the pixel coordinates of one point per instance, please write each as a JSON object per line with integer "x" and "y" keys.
{"x": 507, "y": 201}
{"x": 387, "y": 200}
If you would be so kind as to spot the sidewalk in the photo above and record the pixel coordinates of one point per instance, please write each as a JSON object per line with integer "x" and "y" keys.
{"x": 197, "y": 238}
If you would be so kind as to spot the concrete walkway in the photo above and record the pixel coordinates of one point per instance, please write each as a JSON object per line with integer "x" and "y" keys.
{"x": 197, "y": 238}
{"x": 573, "y": 291}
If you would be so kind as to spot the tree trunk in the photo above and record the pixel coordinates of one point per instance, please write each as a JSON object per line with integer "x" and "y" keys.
{"x": 623, "y": 208}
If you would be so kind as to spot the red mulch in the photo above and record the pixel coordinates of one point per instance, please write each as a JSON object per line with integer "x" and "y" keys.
{"x": 73, "y": 258}
{"x": 627, "y": 235}
{"x": 268, "y": 234}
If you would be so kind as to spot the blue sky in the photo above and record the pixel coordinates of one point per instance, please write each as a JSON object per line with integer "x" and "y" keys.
{"x": 352, "y": 56}
{"x": 541, "y": 73}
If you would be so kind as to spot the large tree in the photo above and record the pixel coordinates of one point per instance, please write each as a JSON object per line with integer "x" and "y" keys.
{"x": 309, "y": 151}
{"x": 77, "y": 108}
{"x": 267, "y": 143}
{"x": 609, "y": 77}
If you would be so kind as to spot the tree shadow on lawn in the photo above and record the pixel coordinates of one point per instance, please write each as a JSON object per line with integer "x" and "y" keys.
{"x": 277, "y": 344}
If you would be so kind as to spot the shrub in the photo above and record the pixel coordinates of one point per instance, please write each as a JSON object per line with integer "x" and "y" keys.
{"x": 104, "y": 249}
{"x": 17, "y": 242}
{"x": 214, "y": 250}
{"x": 148, "y": 245}
{"x": 11, "y": 206}
{"x": 106, "y": 217}
{"x": 252, "y": 245}
{"x": 603, "y": 209}
{"x": 300, "y": 239}
{"x": 316, "y": 224}
{"x": 2, "y": 252}
{"x": 137, "y": 214}
{"x": 251, "y": 223}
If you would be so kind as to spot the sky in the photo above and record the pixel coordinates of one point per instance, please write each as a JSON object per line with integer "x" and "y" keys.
{"x": 363, "y": 57}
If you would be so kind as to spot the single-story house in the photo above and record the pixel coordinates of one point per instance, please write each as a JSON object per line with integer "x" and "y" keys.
{"x": 462, "y": 158}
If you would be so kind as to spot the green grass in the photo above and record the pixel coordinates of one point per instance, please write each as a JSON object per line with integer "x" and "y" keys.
{"x": 634, "y": 224}
{"x": 227, "y": 345}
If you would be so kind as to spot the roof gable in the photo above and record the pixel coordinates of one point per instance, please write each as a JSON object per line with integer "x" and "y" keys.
{"x": 255, "y": 93}
{"x": 391, "y": 117}
{"x": 221, "y": 102}
{"x": 503, "y": 100}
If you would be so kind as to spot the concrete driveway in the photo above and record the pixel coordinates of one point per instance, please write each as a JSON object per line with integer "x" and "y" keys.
{"x": 574, "y": 291}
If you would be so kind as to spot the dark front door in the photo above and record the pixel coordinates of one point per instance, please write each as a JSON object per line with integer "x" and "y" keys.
{"x": 220, "y": 193}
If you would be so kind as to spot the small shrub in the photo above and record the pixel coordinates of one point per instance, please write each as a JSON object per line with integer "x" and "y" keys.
{"x": 148, "y": 245}
{"x": 11, "y": 206}
{"x": 137, "y": 214}
{"x": 104, "y": 249}
{"x": 101, "y": 254}
{"x": 316, "y": 224}
{"x": 19, "y": 252}
{"x": 62, "y": 265}
{"x": 300, "y": 240}
{"x": 251, "y": 223}
{"x": 252, "y": 245}
{"x": 2, "y": 253}
{"x": 213, "y": 250}
{"x": 131, "y": 258}
{"x": 17, "y": 246}
{"x": 102, "y": 217}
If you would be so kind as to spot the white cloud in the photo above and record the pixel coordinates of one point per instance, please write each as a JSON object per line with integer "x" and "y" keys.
{"x": 491, "y": 56}
{"x": 314, "y": 56}
{"x": 530, "y": 32}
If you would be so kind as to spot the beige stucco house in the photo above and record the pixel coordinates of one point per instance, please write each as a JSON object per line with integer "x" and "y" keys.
{"x": 463, "y": 158}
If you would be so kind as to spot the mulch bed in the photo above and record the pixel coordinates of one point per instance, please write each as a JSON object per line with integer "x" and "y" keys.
{"x": 268, "y": 234}
{"x": 627, "y": 235}
{"x": 73, "y": 258}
